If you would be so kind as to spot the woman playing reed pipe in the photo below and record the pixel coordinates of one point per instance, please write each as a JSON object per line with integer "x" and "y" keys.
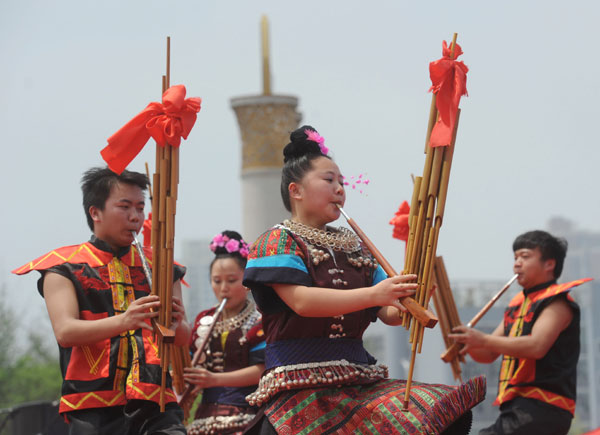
{"x": 319, "y": 288}
{"x": 234, "y": 353}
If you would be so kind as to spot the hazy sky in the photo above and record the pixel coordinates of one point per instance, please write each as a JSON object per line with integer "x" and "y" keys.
{"x": 74, "y": 72}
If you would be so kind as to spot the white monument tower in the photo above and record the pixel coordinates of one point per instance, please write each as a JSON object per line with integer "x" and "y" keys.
{"x": 266, "y": 122}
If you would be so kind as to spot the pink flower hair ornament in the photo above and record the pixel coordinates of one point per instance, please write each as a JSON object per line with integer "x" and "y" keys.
{"x": 218, "y": 240}
{"x": 316, "y": 137}
{"x": 231, "y": 245}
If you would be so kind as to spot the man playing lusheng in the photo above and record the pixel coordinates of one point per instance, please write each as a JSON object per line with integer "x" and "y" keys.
{"x": 539, "y": 341}
{"x": 99, "y": 303}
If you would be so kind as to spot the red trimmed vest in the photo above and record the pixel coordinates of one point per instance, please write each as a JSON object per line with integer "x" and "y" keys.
{"x": 551, "y": 379}
{"x": 112, "y": 371}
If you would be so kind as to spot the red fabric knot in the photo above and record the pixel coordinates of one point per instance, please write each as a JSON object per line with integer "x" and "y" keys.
{"x": 166, "y": 122}
{"x": 400, "y": 222}
{"x": 449, "y": 84}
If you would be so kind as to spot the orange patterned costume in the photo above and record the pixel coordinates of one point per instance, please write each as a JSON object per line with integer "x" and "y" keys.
{"x": 551, "y": 379}
{"x": 115, "y": 370}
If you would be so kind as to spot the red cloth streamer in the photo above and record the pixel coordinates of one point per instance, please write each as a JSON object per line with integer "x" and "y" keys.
{"x": 400, "y": 222}
{"x": 449, "y": 83}
{"x": 167, "y": 123}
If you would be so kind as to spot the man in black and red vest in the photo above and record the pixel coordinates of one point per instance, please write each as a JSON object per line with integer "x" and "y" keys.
{"x": 99, "y": 304}
{"x": 539, "y": 341}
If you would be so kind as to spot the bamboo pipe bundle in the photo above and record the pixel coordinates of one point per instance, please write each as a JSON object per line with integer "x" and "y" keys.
{"x": 410, "y": 243}
{"x": 149, "y": 188}
{"x": 180, "y": 358}
{"x": 425, "y": 225}
{"x": 180, "y": 355}
{"x": 445, "y": 308}
{"x": 165, "y": 182}
{"x": 433, "y": 233}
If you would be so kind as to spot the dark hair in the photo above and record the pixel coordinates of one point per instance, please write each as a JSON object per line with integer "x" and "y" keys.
{"x": 97, "y": 183}
{"x": 297, "y": 160}
{"x": 222, "y": 252}
{"x": 552, "y": 248}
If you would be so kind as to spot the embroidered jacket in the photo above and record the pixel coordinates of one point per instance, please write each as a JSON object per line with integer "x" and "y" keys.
{"x": 112, "y": 371}
{"x": 230, "y": 349}
{"x": 281, "y": 256}
{"x": 551, "y": 379}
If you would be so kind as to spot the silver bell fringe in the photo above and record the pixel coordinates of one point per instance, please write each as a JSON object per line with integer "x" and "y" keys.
{"x": 219, "y": 424}
{"x": 314, "y": 375}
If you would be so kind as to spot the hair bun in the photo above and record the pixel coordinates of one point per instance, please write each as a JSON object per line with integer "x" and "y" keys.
{"x": 229, "y": 243}
{"x": 300, "y": 145}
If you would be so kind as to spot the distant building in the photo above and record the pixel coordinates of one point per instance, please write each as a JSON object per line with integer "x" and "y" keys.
{"x": 265, "y": 122}
{"x": 583, "y": 261}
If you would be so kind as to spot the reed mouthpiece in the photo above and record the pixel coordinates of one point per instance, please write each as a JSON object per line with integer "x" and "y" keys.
{"x": 342, "y": 211}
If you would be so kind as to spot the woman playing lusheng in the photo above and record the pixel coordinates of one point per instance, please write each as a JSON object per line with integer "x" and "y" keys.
{"x": 234, "y": 356}
{"x": 318, "y": 289}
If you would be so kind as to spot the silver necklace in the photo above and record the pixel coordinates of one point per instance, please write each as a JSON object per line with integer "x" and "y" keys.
{"x": 338, "y": 239}
{"x": 245, "y": 319}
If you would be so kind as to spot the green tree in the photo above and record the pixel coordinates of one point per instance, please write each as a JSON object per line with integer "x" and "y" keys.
{"x": 29, "y": 374}
{"x": 8, "y": 324}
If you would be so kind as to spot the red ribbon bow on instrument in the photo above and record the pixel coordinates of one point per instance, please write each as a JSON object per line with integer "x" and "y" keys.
{"x": 167, "y": 123}
{"x": 449, "y": 83}
{"x": 400, "y": 222}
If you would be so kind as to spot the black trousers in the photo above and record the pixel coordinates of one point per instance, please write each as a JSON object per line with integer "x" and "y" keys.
{"x": 138, "y": 417}
{"x": 522, "y": 416}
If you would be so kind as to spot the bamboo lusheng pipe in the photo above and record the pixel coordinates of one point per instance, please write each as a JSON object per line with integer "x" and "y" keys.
{"x": 444, "y": 295}
{"x": 416, "y": 248}
{"x": 150, "y": 193}
{"x": 423, "y": 316}
{"x": 165, "y": 182}
{"x": 426, "y": 234}
{"x": 185, "y": 397}
{"x": 177, "y": 365}
{"x": 427, "y": 258}
{"x": 180, "y": 355}
{"x": 414, "y": 206}
{"x": 455, "y": 348}
{"x": 420, "y": 259}
{"x": 166, "y": 334}
{"x": 445, "y": 308}
{"x": 429, "y": 190}
{"x": 442, "y": 192}
{"x": 413, "y": 259}
{"x": 180, "y": 358}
